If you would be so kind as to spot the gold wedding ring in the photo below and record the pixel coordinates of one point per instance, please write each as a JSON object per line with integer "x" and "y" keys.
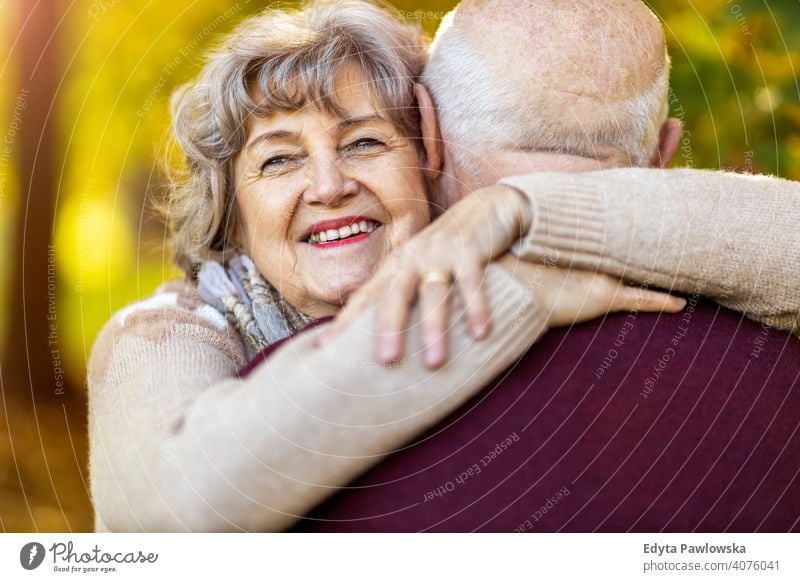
{"x": 435, "y": 277}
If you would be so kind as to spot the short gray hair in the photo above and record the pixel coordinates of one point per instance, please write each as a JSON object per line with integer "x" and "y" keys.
{"x": 479, "y": 110}
{"x": 277, "y": 61}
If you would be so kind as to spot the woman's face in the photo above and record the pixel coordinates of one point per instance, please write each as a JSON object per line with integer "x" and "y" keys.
{"x": 324, "y": 199}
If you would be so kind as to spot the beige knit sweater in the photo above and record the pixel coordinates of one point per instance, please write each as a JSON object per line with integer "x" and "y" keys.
{"x": 179, "y": 442}
{"x": 732, "y": 237}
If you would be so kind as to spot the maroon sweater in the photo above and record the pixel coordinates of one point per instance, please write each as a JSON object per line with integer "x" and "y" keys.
{"x": 645, "y": 422}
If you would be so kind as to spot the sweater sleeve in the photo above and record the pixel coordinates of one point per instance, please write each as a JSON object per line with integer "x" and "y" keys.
{"x": 180, "y": 443}
{"x": 731, "y": 237}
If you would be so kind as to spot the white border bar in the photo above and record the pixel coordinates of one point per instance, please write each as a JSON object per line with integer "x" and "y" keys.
{"x": 406, "y": 557}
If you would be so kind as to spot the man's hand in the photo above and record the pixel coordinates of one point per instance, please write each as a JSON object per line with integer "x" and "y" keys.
{"x": 454, "y": 249}
{"x": 566, "y": 296}
{"x": 570, "y": 296}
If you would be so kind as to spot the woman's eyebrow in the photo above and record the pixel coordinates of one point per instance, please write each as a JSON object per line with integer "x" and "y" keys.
{"x": 276, "y": 134}
{"x": 359, "y": 120}
{"x": 341, "y": 126}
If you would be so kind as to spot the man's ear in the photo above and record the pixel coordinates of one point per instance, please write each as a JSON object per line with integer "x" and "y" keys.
{"x": 668, "y": 140}
{"x": 431, "y": 140}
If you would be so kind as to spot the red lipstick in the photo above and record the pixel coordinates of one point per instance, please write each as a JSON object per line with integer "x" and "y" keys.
{"x": 334, "y": 224}
{"x": 334, "y": 233}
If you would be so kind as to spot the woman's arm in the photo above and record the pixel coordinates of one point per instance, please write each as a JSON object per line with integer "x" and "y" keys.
{"x": 178, "y": 442}
{"x": 732, "y": 237}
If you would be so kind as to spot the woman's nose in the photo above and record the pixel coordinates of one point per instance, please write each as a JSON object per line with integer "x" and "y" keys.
{"x": 329, "y": 184}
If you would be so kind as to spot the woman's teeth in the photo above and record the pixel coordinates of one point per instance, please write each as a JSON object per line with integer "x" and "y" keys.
{"x": 343, "y": 233}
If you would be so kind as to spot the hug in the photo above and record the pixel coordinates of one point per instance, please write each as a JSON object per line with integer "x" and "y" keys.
{"x": 398, "y": 255}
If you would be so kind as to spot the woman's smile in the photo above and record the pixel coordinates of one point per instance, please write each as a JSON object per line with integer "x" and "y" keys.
{"x": 335, "y": 233}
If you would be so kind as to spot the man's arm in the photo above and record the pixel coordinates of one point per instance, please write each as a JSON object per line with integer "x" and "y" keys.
{"x": 731, "y": 237}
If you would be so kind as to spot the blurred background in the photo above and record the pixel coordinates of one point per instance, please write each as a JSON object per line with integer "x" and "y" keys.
{"x": 84, "y": 87}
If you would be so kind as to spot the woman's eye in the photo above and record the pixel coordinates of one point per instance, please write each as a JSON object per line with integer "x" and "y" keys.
{"x": 274, "y": 163}
{"x": 364, "y": 144}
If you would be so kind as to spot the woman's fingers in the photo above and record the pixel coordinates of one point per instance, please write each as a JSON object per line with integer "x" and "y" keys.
{"x": 393, "y": 318}
{"x": 470, "y": 285}
{"x": 433, "y": 302}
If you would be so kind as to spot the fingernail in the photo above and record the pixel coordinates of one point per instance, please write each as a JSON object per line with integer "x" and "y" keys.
{"x": 432, "y": 361}
{"x": 434, "y": 356}
{"x": 386, "y": 351}
{"x": 480, "y": 329}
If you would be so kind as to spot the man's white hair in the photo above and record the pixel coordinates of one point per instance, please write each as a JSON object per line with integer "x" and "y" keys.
{"x": 478, "y": 110}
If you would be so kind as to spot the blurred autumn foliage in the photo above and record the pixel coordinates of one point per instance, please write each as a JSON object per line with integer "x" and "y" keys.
{"x": 734, "y": 84}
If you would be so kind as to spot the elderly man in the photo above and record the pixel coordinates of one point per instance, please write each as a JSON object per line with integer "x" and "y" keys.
{"x": 639, "y": 422}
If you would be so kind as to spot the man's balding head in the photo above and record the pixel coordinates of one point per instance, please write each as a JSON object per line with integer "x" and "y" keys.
{"x": 575, "y": 78}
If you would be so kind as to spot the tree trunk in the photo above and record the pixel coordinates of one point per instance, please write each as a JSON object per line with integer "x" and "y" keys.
{"x": 31, "y": 363}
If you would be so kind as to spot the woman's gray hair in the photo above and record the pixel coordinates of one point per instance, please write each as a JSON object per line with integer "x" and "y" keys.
{"x": 277, "y": 61}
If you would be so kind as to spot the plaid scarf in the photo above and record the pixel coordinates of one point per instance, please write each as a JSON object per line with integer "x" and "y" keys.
{"x": 251, "y": 304}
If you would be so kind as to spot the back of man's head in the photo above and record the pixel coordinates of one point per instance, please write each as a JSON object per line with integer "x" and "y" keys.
{"x": 568, "y": 76}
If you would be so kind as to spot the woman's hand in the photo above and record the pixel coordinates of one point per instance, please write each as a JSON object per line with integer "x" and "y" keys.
{"x": 452, "y": 254}
{"x": 454, "y": 249}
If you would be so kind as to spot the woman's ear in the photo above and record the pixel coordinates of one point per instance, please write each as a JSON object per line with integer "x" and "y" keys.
{"x": 668, "y": 141}
{"x": 431, "y": 140}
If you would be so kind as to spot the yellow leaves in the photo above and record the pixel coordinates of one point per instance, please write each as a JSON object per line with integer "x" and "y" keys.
{"x": 691, "y": 33}
{"x": 794, "y": 146}
{"x": 95, "y": 247}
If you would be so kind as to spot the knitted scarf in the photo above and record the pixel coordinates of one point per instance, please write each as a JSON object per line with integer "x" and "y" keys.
{"x": 252, "y": 305}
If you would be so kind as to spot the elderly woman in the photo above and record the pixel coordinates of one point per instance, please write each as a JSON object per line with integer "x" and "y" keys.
{"x": 305, "y": 168}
